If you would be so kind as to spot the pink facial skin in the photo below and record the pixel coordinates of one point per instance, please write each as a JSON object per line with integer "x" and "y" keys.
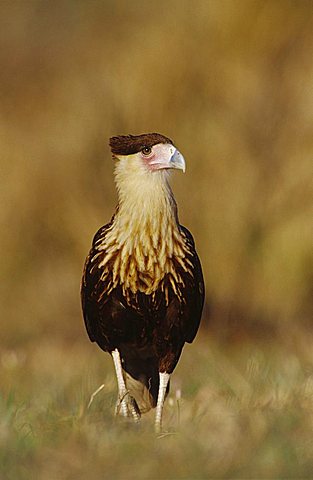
{"x": 161, "y": 156}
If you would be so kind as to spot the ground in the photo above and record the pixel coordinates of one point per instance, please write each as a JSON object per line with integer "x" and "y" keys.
{"x": 239, "y": 411}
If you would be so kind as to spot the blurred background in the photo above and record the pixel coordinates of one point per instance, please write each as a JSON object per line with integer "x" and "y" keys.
{"x": 231, "y": 82}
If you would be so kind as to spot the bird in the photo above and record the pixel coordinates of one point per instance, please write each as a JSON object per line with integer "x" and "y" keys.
{"x": 142, "y": 289}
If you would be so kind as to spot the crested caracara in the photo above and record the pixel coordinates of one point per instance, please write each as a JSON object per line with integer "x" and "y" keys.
{"x": 142, "y": 288}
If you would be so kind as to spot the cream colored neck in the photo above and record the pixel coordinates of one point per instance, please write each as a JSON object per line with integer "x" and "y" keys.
{"x": 145, "y": 236}
{"x": 146, "y": 209}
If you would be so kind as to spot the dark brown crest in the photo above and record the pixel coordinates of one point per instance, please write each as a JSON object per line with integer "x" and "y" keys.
{"x": 129, "y": 144}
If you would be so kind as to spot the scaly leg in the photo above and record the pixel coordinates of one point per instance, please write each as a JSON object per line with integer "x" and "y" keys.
{"x": 122, "y": 392}
{"x": 125, "y": 402}
{"x": 164, "y": 379}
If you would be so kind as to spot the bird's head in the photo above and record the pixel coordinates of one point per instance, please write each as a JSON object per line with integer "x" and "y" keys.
{"x": 146, "y": 153}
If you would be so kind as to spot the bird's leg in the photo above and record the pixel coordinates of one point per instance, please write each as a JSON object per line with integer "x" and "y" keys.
{"x": 125, "y": 402}
{"x": 122, "y": 392}
{"x": 164, "y": 379}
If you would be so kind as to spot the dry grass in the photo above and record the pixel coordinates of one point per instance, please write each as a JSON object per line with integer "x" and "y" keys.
{"x": 231, "y": 82}
{"x": 245, "y": 412}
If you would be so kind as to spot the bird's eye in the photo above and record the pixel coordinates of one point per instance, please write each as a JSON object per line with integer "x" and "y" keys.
{"x": 146, "y": 150}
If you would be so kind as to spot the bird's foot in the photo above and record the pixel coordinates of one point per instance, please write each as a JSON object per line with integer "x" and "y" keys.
{"x": 127, "y": 406}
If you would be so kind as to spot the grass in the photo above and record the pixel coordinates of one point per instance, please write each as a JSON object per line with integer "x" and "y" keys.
{"x": 245, "y": 412}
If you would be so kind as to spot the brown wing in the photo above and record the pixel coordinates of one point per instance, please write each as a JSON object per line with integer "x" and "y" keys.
{"x": 194, "y": 292}
{"x": 89, "y": 288}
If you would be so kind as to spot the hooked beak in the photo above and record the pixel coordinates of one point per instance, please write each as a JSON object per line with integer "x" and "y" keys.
{"x": 166, "y": 156}
{"x": 177, "y": 161}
